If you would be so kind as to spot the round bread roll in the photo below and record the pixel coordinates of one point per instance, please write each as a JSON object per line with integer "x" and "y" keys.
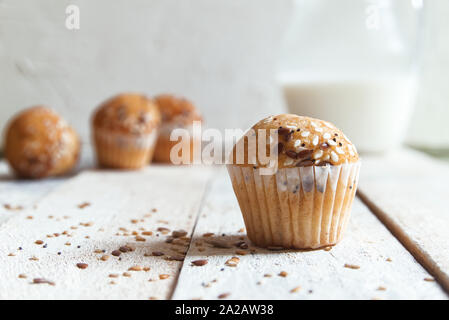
{"x": 39, "y": 144}
{"x": 177, "y": 113}
{"x": 125, "y": 131}
{"x": 300, "y": 195}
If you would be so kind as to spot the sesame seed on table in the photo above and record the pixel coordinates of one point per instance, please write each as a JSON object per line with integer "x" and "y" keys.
{"x": 195, "y": 244}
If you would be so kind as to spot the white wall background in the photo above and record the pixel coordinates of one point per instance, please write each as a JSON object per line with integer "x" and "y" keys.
{"x": 219, "y": 53}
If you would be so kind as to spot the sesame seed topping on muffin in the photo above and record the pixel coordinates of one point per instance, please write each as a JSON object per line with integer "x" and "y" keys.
{"x": 177, "y": 109}
{"x": 302, "y": 142}
{"x": 128, "y": 113}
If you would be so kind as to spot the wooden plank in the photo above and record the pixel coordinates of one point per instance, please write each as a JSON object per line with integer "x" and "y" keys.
{"x": 408, "y": 192}
{"x": 113, "y": 205}
{"x": 383, "y": 261}
{"x": 16, "y": 195}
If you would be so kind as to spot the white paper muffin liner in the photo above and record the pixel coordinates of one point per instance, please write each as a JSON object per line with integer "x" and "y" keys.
{"x": 124, "y": 150}
{"x": 300, "y": 208}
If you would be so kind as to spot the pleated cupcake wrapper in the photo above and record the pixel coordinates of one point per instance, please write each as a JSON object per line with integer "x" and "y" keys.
{"x": 124, "y": 150}
{"x": 301, "y": 208}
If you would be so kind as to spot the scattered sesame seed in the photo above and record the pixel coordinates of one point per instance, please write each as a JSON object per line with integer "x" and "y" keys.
{"x": 305, "y": 134}
{"x": 283, "y": 274}
{"x": 104, "y": 258}
{"x": 164, "y": 276}
{"x": 135, "y": 268}
{"x": 43, "y": 281}
{"x": 179, "y": 233}
{"x": 352, "y": 266}
{"x": 199, "y": 263}
{"x": 125, "y": 249}
{"x": 233, "y": 262}
{"x": 22, "y": 276}
{"x": 294, "y": 290}
{"x": 83, "y": 205}
{"x": 316, "y": 140}
{"x": 116, "y": 253}
{"x": 163, "y": 230}
{"x": 82, "y": 265}
{"x": 224, "y": 295}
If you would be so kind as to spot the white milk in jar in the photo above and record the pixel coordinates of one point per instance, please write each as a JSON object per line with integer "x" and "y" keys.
{"x": 373, "y": 111}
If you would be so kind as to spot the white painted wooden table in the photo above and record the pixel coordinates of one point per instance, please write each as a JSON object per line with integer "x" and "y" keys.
{"x": 63, "y": 233}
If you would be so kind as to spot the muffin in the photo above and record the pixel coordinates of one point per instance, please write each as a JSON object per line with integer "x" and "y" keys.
{"x": 125, "y": 130}
{"x": 39, "y": 143}
{"x": 302, "y": 199}
{"x": 177, "y": 113}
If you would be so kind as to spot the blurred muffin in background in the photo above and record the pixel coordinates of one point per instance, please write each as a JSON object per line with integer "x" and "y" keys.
{"x": 125, "y": 129}
{"x": 39, "y": 143}
{"x": 177, "y": 113}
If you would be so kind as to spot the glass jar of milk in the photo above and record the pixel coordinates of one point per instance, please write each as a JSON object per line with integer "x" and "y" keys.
{"x": 354, "y": 63}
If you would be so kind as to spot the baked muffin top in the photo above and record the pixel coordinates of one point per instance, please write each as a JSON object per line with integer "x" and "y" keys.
{"x": 302, "y": 142}
{"x": 177, "y": 110}
{"x": 38, "y": 140}
{"x": 127, "y": 113}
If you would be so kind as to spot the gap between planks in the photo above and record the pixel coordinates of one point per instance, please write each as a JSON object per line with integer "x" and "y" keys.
{"x": 413, "y": 247}
{"x": 206, "y": 192}
{"x": 407, "y": 191}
